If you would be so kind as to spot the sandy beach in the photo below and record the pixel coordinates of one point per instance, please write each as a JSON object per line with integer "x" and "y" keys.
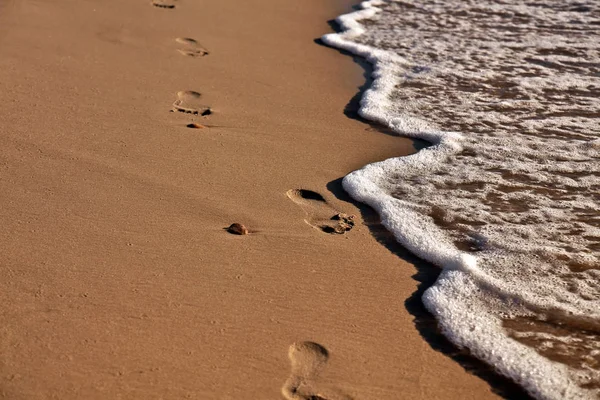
{"x": 117, "y": 277}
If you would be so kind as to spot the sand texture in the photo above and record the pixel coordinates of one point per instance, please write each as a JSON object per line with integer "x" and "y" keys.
{"x": 132, "y": 134}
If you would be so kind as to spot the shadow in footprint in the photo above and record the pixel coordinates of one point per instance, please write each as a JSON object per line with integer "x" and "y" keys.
{"x": 307, "y": 361}
{"x": 319, "y": 214}
{"x": 190, "y": 47}
{"x": 189, "y": 102}
{"x": 170, "y": 4}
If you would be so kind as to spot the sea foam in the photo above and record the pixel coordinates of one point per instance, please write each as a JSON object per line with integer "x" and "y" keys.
{"x": 506, "y": 198}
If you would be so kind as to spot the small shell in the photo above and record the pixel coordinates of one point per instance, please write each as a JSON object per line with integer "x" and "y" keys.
{"x": 237, "y": 229}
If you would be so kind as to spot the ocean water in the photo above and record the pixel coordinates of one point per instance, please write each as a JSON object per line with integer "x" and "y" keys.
{"x": 507, "y": 199}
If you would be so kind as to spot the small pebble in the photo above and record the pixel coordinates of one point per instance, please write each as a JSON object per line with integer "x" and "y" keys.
{"x": 237, "y": 229}
{"x": 194, "y": 125}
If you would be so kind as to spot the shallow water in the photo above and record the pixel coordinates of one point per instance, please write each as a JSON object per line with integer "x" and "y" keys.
{"x": 507, "y": 200}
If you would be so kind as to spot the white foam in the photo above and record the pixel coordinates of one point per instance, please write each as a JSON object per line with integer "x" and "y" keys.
{"x": 473, "y": 292}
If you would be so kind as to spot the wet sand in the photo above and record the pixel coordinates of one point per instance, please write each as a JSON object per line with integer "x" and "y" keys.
{"x": 117, "y": 277}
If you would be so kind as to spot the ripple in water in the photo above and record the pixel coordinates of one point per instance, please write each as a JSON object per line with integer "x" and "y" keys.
{"x": 507, "y": 200}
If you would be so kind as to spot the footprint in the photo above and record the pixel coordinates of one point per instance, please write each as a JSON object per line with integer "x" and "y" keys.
{"x": 320, "y": 214}
{"x": 164, "y": 3}
{"x": 191, "y": 48}
{"x": 308, "y": 360}
{"x": 189, "y": 102}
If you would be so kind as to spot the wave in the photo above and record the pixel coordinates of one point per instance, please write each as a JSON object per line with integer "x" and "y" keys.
{"x": 506, "y": 200}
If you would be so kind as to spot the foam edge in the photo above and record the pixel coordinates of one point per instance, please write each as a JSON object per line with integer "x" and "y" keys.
{"x": 449, "y": 299}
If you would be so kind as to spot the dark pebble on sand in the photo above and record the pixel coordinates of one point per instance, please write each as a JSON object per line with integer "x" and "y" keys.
{"x": 237, "y": 229}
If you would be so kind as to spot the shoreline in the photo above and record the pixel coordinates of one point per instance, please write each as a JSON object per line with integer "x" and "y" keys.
{"x": 118, "y": 278}
{"x": 453, "y": 298}
{"x": 427, "y": 273}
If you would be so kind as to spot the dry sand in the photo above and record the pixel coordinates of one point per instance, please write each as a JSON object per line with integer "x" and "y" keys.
{"x": 117, "y": 279}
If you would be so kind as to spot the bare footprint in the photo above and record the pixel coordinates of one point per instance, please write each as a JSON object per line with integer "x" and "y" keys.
{"x": 319, "y": 214}
{"x": 164, "y": 3}
{"x": 308, "y": 360}
{"x": 189, "y": 102}
{"x": 190, "y": 47}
